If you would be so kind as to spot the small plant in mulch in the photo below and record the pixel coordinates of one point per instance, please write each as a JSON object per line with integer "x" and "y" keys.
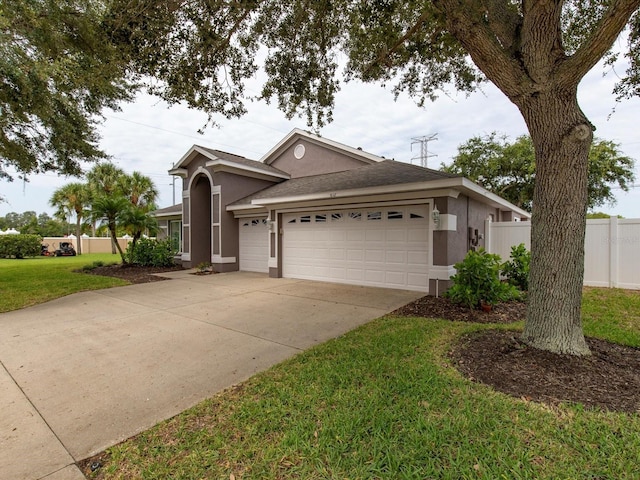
{"x": 204, "y": 268}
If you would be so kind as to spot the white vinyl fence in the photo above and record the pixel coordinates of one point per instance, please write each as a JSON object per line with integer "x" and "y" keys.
{"x": 612, "y": 249}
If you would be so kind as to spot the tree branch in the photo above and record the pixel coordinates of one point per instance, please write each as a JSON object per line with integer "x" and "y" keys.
{"x": 384, "y": 56}
{"x": 541, "y": 39}
{"x": 488, "y": 46}
{"x": 608, "y": 29}
{"x": 504, "y": 21}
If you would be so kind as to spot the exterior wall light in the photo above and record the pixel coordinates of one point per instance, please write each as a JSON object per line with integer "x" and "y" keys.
{"x": 436, "y": 216}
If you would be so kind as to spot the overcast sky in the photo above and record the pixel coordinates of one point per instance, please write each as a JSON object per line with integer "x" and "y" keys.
{"x": 149, "y": 137}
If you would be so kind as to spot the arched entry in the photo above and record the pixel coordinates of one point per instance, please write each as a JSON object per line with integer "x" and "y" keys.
{"x": 200, "y": 219}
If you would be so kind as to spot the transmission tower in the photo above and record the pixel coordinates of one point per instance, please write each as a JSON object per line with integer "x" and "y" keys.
{"x": 424, "y": 148}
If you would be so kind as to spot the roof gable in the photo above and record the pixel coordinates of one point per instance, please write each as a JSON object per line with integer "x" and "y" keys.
{"x": 225, "y": 161}
{"x": 302, "y": 154}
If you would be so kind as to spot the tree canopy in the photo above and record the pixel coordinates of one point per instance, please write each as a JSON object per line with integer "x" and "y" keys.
{"x": 203, "y": 51}
{"x": 508, "y": 168}
{"x": 58, "y": 70}
{"x": 31, "y": 222}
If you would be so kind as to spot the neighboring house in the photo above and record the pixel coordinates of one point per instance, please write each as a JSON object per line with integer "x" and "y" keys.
{"x": 315, "y": 209}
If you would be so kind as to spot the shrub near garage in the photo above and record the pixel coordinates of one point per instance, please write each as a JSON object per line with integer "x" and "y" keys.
{"x": 516, "y": 270}
{"x": 20, "y": 246}
{"x": 477, "y": 281}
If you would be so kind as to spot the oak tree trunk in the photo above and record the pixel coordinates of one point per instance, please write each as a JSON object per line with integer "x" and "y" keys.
{"x": 562, "y": 136}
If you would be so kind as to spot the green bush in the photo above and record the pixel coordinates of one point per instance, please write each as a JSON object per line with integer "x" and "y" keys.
{"x": 517, "y": 269}
{"x": 20, "y": 246}
{"x": 151, "y": 253}
{"x": 477, "y": 280}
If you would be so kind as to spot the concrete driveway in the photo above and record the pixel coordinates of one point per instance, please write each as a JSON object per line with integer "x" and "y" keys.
{"x": 84, "y": 372}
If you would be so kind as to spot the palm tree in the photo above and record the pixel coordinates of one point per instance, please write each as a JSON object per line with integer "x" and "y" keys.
{"x": 72, "y": 198}
{"x": 122, "y": 199}
{"x": 140, "y": 190}
{"x": 136, "y": 221}
{"x": 104, "y": 178}
{"x": 142, "y": 194}
{"x": 110, "y": 208}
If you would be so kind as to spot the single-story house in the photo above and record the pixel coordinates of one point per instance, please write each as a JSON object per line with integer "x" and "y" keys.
{"x": 312, "y": 208}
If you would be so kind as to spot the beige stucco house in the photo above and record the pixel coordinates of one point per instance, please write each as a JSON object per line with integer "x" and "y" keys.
{"x": 312, "y": 208}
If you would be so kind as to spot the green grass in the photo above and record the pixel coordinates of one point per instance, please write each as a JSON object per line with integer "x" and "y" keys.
{"x": 384, "y": 402}
{"x": 612, "y": 314}
{"x": 36, "y": 280}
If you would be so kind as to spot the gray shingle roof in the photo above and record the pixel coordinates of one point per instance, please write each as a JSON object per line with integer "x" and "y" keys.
{"x": 172, "y": 210}
{"x": 243, "y": 161}
{"x": 387, "y": 172}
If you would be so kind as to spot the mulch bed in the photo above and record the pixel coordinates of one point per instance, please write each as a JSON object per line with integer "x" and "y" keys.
{"x": 134, "y": 273}
{"x": 440, "y": 307}
{"x": 609, "y": 379}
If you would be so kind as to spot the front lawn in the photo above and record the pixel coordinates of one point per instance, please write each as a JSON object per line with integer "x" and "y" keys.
{"x": 384, "y": 401}
{"x": 36, "y": 280}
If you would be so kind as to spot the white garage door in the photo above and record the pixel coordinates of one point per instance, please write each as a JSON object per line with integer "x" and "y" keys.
{"x": 386, "y": 247}
{"x": 254, "y": 245}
